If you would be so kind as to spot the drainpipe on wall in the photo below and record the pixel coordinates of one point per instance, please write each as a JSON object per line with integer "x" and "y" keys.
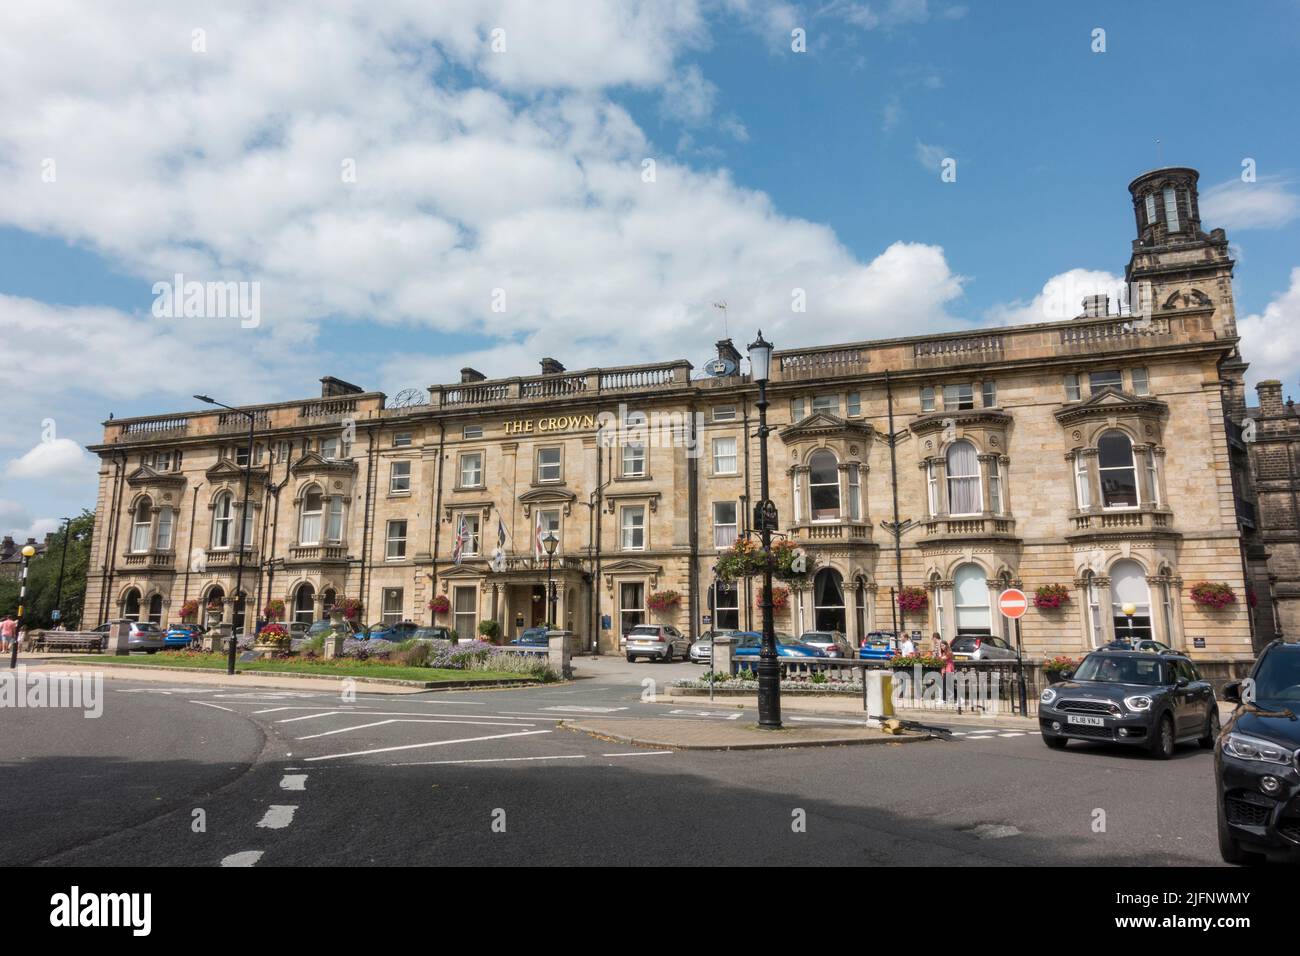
{"x": 189, "y": 547}
{"x": 744, "y": 512}
{"x": 893, "y": 479}
{"x": 437, "y": 516}
{"x": 362, "y": 596}
{"x": 106, "y": 600}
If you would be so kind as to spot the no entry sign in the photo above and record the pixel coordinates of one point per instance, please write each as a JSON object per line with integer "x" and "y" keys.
{"x": 1013, "y": 603}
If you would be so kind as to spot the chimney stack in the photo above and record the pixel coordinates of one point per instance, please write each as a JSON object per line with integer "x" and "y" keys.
{"x": 468, "y": 375}
{"x": 1096, "y": 306}
{"x": 1270, "y": 397}
{"x": 551, "y": 366}
{"x": 331, "y": 387}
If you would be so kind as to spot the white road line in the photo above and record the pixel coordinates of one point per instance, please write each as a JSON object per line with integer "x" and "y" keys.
{"x": 294, "y": 781}
{"x": 584, "y": 710}
{"x": 277, "y": 817}
{"x": 435, "y": 763}
{"x": 413, "y": 720}
{"x": 435, "y": 743}
{"x": 271, "y": 710}
{"x": 1018, "y": 733}
{"x": 406, "y": 713}
{"x": 204, "y": 703}
{"x": 642, "y": 753}
{"x": 246, "y": 858}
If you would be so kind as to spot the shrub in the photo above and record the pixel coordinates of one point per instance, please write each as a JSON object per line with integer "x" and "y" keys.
{"x": 526, "y": 665}
{"x": 490, "y": 629}
{"x": 413, "y": 654}
{"x": 925, "y": 660}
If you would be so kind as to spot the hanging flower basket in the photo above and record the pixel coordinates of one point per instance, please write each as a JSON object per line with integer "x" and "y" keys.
{"x": 189, "y": 611}
{"x": 1051, "y": 597}
{"x": 780, "y": 599}
{"x": 1213, "y": 594}
{"x": 274, "y": 611}
{"x": 662, "y": 601}
{"x": 912, "y": 598}
{"x": 440, "y": 604}
{"x": 791, "y": 563}
{"x": 350, "y": 607}
{"x": 744, "y": 559}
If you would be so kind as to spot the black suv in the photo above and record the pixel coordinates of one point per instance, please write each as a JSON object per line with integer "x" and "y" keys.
{"x": 1257, "y": 761}
{"x": 1131, "y": 697}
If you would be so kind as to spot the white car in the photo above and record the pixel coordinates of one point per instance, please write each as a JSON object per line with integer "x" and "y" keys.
{"x": 659, "y": 642}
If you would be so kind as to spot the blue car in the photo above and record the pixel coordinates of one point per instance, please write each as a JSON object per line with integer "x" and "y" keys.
{"x": 878, "y": 646}
{"x": 181, "y": 635}
{"x": 392, "y": 632}
{"x": 533, "y": 637}
{"x": 750, "y": 643}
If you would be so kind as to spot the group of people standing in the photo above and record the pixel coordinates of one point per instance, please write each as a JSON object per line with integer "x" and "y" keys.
{"x": 939, "y": 648}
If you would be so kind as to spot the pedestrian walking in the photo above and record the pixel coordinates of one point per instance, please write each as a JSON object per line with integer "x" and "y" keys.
{"x": 8, "y": 632}
{"x": 949, "y": 667}
{"x": 936, "y": 645}
{"x": 907, "y": 648}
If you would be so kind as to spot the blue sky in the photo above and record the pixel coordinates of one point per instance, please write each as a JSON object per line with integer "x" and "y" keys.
{"x": 520, "y": 169}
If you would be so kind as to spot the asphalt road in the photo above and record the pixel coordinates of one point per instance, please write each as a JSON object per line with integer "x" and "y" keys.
{"x": 284, "y": 777}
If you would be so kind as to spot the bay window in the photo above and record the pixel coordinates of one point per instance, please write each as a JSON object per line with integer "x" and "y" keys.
{"x": 142, "y": 526}
{"x": 824, "y": 486}
{"x": 334, "y": 526}
{"x": 223, "y": 517}
{"x": 1115, "y": 465}
{"x": 963, "y": 479}
{"x": 165, "y": 519}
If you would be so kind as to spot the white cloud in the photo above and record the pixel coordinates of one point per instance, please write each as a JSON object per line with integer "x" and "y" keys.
{"x": 1060, "y": 298}
{"x": 19, "y": 525}
{"x": 930, "y": 156}
{"x": 1269, "y": 340}
{"x": 60, "y": 459}
{"x": 1267, "y": 203}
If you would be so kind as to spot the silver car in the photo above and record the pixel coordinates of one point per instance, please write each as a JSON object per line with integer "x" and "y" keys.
{"x": 702, "y": 650}
{"x": 659, "y": 642}
{"x": 143, "y": 636}
{"x": 831, "y": 643}
{"x": 982, "y": 647}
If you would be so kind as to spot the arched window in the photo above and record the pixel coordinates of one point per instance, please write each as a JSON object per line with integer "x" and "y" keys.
{"x": 971, "y": 597}
{"x": 824, "y": 486}
{"x": 1119, "y": 487}
{"x": 312, "y": 506}
{"x": 304, "y": 603}
{"x": 142, "y": 526}
{"x": 1129, "y": 592}
{"x": 131, "y": 605}
{"x": 828, "y": 601}
{"x": 223, "y": 518}
{"x": 155, "y": 609}
{"x": 964, "y": 479}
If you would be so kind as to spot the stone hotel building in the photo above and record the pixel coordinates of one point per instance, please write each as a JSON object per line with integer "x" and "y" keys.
{"x": 1096, "y": 453}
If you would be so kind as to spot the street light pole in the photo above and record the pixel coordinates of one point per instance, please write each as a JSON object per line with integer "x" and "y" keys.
{"x": 765, "y": 519}
{"x": 58, "y": 588}
{"x": 243, "y": 527}
{"x": 549, "y": 541}
{"x": 28, "y": 551}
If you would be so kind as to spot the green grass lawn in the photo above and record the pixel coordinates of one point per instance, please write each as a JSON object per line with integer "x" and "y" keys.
{"x": 344, "y": 668}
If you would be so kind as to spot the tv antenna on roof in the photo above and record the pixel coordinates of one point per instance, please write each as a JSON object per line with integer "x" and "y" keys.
{"x": 723, "y": 307}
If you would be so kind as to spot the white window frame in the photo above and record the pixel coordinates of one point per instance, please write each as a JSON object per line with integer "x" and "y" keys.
{"x": 853, "y": 404}
{"x": 977, "y": 477}
{"x": 720, "y": 457}
{"x": 1141, "y": 380}
{"x": 222, "y": 524}
{"x": 725, "y": 532}
{"x": 839, "y": 492}
{"x": 402, "y": 439}
{"x": 471, "y": 431}
{"x": 142, "y": 531}
{"x": 1073, "y": 388}
{"x": 395, "y": 540}
{"x": 392, "y": 616}
{"x": 473, "y": 521}
{"x": 628, "y": 528}
{"x": 315, "y": 515}
{"x": 543, "y": 467}
{"x": 475, "y": 470}
{"x": 1133, "y": 467}
{"x": 1082, "y": 483}
{"x": 399, "y": 477}
{"x": 855, "y": 493}
{"x": 928, "y": 398}
{"x": 634, "y": 460}
{"x": 724, "y": 413}
{"x": 166, "y": 525}
{"x": 1171, "y": 208}
{"x": 993, "y": 473}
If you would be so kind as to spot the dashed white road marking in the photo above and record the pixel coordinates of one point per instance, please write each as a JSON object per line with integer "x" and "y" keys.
{"x": 1017, "y": 733}
{"x": 277, "y": 817}
{"x": 413, "y": 720}
{"x": 402, "y": 713}
{"x": 245, "y": 858}
{"x": 707, "y": 713}
{"x": 435, "y": 743}
{"x": 584, "y": 710}
{"x": 294, "y": 781}
{"x": 435, "y": 763}
{"x": 204, "y": 703}
{"x": 271, "y": 710}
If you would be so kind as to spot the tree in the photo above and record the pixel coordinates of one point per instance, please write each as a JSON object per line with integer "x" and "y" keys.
{"x": 43, "y": 578}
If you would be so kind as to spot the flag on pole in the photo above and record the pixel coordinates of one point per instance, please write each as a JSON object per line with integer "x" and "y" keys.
{"x": 501, "y": 532}
{"x": 462, "y": 535}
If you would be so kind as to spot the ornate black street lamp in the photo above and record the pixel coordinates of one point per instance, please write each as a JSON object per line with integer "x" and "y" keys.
{"x": 243, "y": 527}
{"x": 765, "y": 522}
{"x": 550, "y": 541}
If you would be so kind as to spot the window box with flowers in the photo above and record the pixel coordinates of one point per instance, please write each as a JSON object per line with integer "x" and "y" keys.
{"x": 1051, "y": 597}
{"x": 1213, "y": 594}
{"x": 663, "y": 601}
{"x": 912, "y": 598}
{"x": 440, "y": 604}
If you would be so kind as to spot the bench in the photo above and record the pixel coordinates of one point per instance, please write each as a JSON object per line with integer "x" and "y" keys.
{"x": 67, "y": 641}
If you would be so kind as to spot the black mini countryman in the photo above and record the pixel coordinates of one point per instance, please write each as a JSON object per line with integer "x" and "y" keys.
{"x": 1131, "y": 697}
{"x": 1257, "y": 761}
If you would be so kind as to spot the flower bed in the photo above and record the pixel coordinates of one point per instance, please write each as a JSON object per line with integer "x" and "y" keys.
{"x": 742, "y": 685}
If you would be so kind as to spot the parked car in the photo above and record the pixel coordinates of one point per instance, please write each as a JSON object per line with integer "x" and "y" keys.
{"x": 750, "y": 643}
{"x": 1148, "y": 646}
{"x": 182, "y": 635}
{"x": 660, "y": 642}
{"x": 984, "y": 647}
{"x": 143, "y": 636}
{"x": 533, "y": 637}
{"x": 1131, "y": 697}
{"x": 1257, "y": 761}
{"x": 398, "y": 631}
{"x": 831, "y": 643}
{"x": 435, "y": 633}
{"x": 702, "y": 650}
{"x": 878, "y": 646}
